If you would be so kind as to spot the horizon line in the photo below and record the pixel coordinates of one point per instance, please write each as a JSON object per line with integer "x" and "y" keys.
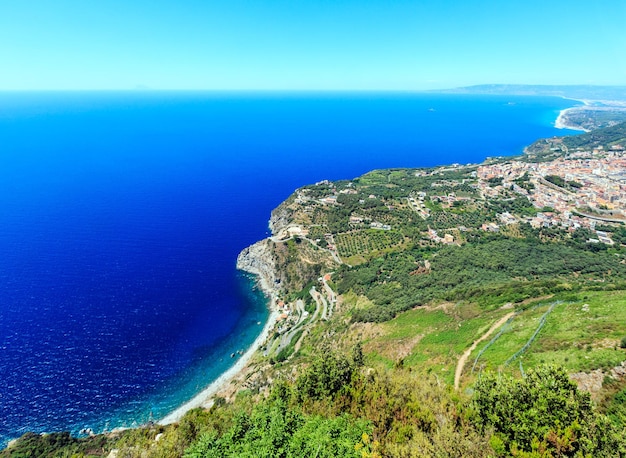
{"x": 150, "y": 89}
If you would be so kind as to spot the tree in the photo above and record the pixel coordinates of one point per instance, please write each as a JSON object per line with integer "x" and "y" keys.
{"x": 327, "y": 375}
{"x": 273, "y": 429}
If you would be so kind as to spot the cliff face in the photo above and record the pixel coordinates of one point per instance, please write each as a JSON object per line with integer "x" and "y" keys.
{"x": 258, "y": 259}
{"x": 289, "y": 264}
{"x": 298, "y": 263}
{"x": 280, "y": 218}
{"x": 283, "y": 265}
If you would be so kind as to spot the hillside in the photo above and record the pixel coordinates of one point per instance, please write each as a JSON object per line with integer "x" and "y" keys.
{"x": 608, "y": 139}
{"x": 401, "y": 293}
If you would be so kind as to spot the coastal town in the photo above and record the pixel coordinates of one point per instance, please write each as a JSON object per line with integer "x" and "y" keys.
{"x": 579, "y": 189}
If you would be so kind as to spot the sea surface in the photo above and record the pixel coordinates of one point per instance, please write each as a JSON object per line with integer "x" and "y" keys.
{"x": 122, "y": 214}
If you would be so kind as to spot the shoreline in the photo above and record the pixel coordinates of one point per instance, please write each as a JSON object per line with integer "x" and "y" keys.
{"x": 587, "y": 104}
{"x": 561, "y": 122}
{"x": 203, "y": 398}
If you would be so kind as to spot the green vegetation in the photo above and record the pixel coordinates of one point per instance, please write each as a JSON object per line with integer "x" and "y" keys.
{"x": 57, "y": 445}
{"x": 543, "y": 414}
{"x": 547, "y": 149}
{"x": 286, "y": 352}
{"x": 602, "y": 137}
{"x": 366, "y": 243}
{"x": 562, "y": 183}
{"x": 582, "y": 332}
{"x": 518, "y": 205}
{"x": 491, "y": 270}
{"x": 273, "y": 429}
{"x": 616, "y": 410}
{"x": 580, "y": 335}
{"x": 370, "y": 413}
{"x": 592, "y": 118}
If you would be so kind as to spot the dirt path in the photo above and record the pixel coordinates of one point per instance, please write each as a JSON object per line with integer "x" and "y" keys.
{"x": 461, "y": 364}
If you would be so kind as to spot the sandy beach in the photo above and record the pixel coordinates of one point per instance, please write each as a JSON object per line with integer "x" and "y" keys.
{"x": 264, "y": 273}
{"x": 561, "y": 120}
{"x": 202, "y": 398}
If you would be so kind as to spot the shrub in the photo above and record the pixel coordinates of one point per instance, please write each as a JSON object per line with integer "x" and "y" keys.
{"x": 544, "y": 411}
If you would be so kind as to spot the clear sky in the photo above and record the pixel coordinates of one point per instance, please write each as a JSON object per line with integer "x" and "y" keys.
{"x": 309, "y": 44}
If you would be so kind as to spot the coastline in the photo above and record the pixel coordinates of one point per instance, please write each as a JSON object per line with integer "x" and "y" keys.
{"x": 203, "y": 399}
{"x": 254, "y": 260}
{"x": 587, "y": 105}
{"x": 226, "y": 383}
{"x": 561, "y": 120}
{"x": 257, "y": 260}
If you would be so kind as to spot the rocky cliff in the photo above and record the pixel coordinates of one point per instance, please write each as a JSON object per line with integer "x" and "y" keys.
{"x": 258, "y": 259}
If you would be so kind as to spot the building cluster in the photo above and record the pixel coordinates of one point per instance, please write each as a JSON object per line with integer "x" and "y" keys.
{"x": 447, "y": 239}
{"x": 593, "y": 188}
{"x": 580, "y": 190}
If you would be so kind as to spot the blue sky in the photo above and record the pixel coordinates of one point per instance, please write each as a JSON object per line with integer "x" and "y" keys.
{"x": 307, "y": 44}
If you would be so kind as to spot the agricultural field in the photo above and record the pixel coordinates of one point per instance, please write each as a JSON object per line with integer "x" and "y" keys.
{"x": 431, "y": 339}
{"x": 366, "y": 243}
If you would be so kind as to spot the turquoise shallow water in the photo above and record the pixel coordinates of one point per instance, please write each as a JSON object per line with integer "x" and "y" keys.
{"x": 122, "y": 214}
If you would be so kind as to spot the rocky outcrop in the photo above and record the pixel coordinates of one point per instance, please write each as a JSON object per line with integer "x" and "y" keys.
{"x": 593, "y": 381}
{"x": 287, "y": 261}
{"x": 280, "y": 218}
{"x": 258, "y": 259}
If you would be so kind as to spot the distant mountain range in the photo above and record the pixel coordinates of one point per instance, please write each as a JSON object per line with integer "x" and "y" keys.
{"x": 582, "y": 92}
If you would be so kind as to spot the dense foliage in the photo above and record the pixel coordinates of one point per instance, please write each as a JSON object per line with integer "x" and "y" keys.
{"x": 543, "y": 415}
{"x": 605, "y": 137}
{"x": 275, "y": 430}
{"x": 616, "y": 410}
{"x": 489, "y": 270}
{"x": 56, "y": 445}
{"x": 394, "y": 413}
{"x": 366, "y": 414}
{"x": 599, "y": 137}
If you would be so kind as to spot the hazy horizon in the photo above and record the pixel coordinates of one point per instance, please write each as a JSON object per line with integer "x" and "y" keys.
{"x": 329, "y": 90}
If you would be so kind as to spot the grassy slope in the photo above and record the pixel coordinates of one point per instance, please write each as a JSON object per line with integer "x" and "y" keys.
{"x": 576, "y": 337}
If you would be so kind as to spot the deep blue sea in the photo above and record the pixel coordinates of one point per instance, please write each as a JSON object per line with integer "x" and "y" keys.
{"x": 122, "y": 214}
